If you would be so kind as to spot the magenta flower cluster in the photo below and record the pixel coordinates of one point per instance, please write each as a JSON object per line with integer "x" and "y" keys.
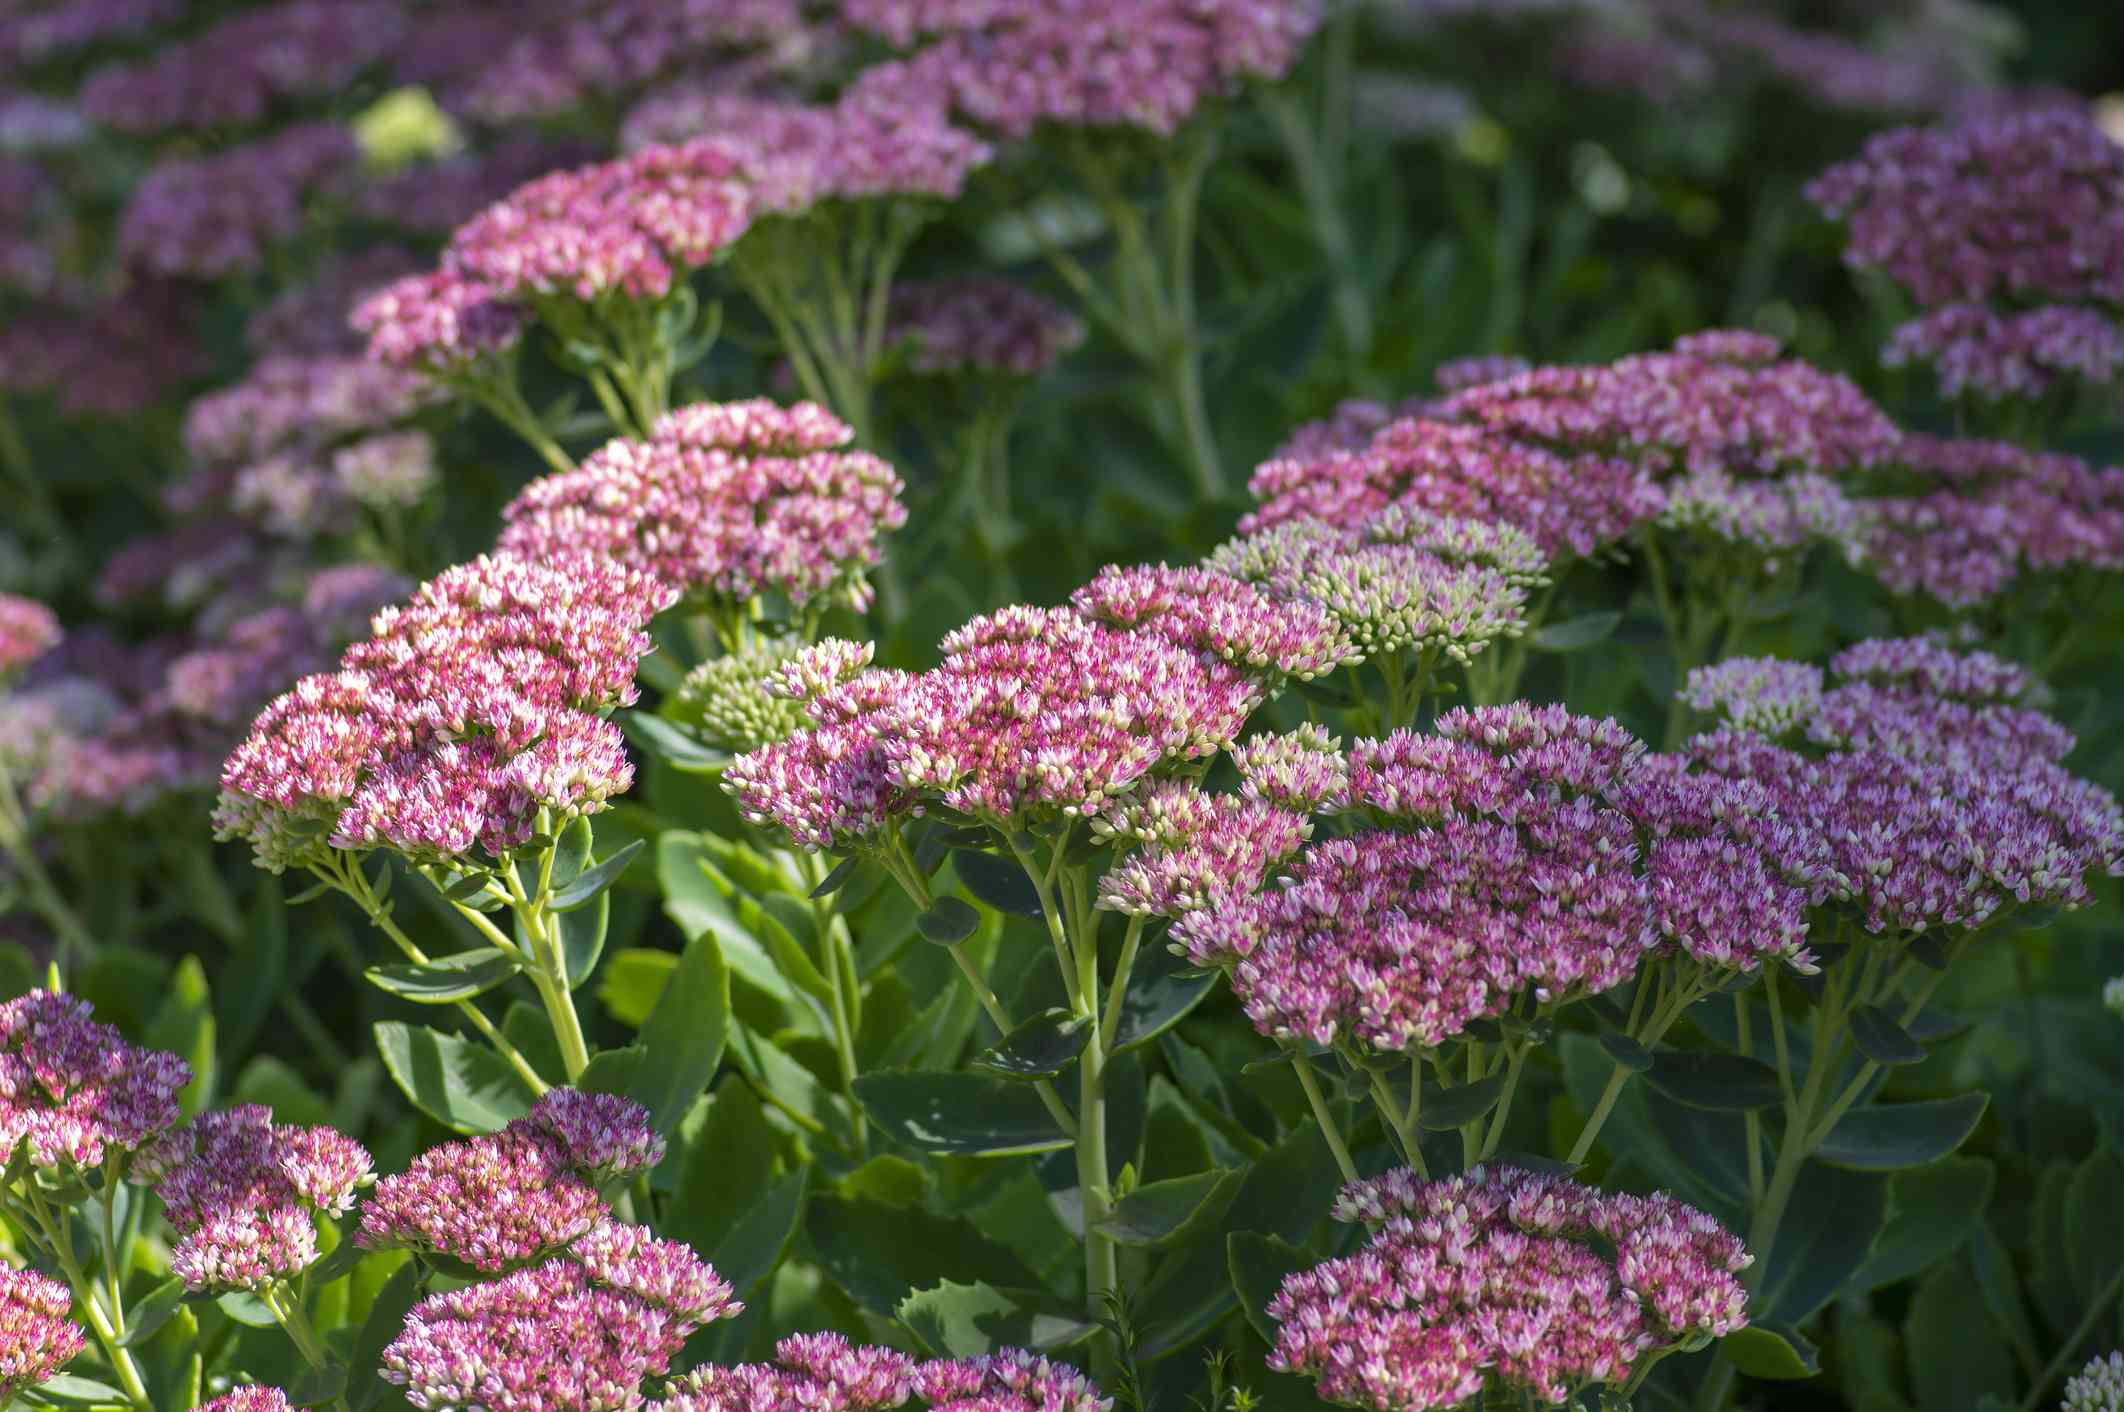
{"x": 501, "y": 1201}
{"x": 2006, "y": 231}
{"x": 28, "y": 630}
{"x": 824, "y": 1372}
{"x": 1941, "y": 800}
{"x": 37, "y": 1338}
{"x": 1505, "y": 1281}
{"x": 243, "y": 1194}
{"x": 216, "y": 215}
{"x": 1719, "y": 435}
{"x": 1974, "y": 518}
{"x": 1181, "y": 848}
{"x": 1013, "y": 65}
{"x": 724, "y": 502}
{"x": 564, "y": 1336}
{"x": 974, "y": 324}
{"x": 73, "y": 1093}
{"x": 254, "y": 1398}
{"x": 1033, "y": 714}
{"x": 1533, "y": 857}
{"x": 465, "y": 714}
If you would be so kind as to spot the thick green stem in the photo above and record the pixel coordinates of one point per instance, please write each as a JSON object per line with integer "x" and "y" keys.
{"x": 289, "y": 1312}
{"x": 1404, "y": 1124}
{"x": 1329, "y": 1128}
{"x": 107, "y": 1324}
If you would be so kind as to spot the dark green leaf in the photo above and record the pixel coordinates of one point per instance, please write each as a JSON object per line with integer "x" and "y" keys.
{"x": 1766, "y": 1350}
{"x": 962, "y": 1115}
{"x": 968, "y": 1321}
{"x": 880, "y": 1254}
{"x": 2093, "y": 1225}
{"x": 1039, "y": 1048}
{"x": 73, "y": 1390}
{"x": 685, "y": 1035}
{"x": 592, "y": 882}
{"x": 317, "y": 1386}
{"x": 441, "y": 980}
{"x": 838, "y": 878}
{"x": 998, "y": 882}
{"x": 754, "y": 1248}
{"x": 673, "y": 744}
{"x": 948, "y": 921}
{"x": 1444, "y": 1110}
{"x": 1832, "y": 1222}
{"x": 1163, "y": 1215}
{"x": 1890, "y": 1137}
{"x": 1882, "y": 1038}
{"x": 469, "y": 886}
{"x": 387, "y": 1317}
{"x": 1932, "y": 1211}
{"x": 1577, "y": 634}
{"x": 1627, "y": 1052}
{"x": 152, "y": 1310}
{"x": 1956, "y": 1353}
{"x": 1721, "y": 1083}
{"x": 582, "y": 936}
{"x": 1260, "y": 1264}
{"x": 459, "y": 1084}
{"x": 1161, "y": 992}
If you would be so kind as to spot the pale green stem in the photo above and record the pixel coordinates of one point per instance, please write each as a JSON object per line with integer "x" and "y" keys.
{"x": 1329, "y": 1128}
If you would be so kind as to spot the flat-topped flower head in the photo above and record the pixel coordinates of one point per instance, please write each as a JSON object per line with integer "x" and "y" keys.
{"x": 2000, "y": 355}
{"x": 1568, "y": 500}
{"x": 632, "y": 227}
{"x": 1503, "y": 1281}
{"x": 1041, "y": 713}
{"x": 1221, "y": 615}
{"x": 1191, "y": 848}
{"x": 1763, "y": 694}
{"x": 441, "y": 322}
{"x": 821, "y": 1371}
{"x": 736, "y": 702}
{"x": 1385, "y": 597}
{"x": 664, "y": 1274}
{"x": 242, "y": 1192}
{"x": 551, "y": 1338}
{"x": 1975, "y": 517}
{"x": 392, "y": 471}
{"x": 37, "y": 1338}
{"x": 1007, "y": 1380}
{"x": 978, "y": 324}
{"x": 724, "y": 504}
{"x": 28, "y": 630}
{"x": 606, "y": 1137}
{"x": 1302, "y": 770}
{"x": 1398, "y": 942}
{"x": 255, "y": 1398}
{"x": 492, "y": 1203}
{"x": 1459, "y": 540}
{"x": 73, "y": 1093}
{"x": 1460, "y": 374}
{"x": 834, "y": 786}
{"x": 1015, "y": 65}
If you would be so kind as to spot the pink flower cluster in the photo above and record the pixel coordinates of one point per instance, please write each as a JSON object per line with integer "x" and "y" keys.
{"x": 36, "y": 35}
{"x": 231, "y": 74}
{"x": 1534, "y": 854}
{"x": 2006, "y": 230}
{"x": 28, "y": 630}
{"x": 504, "y": 1200}
{"x": 826, "y": 1373}
{"x": 723, "y": 501}
{"x": 73, "y": 1093}
{"x": 2009, "y": 355}
{"x": 564, "y": 1336}
{"x": 206, "y": 217}
{"x": 299, "y": 404}
{"x": 1505, "y": 1281}
{"x": 1033, "y": 714}
{"x": 1973, "y": 517}
{"x": 1220, "y": 615}
{"x": 1941, "y": 801}
{"x": 466, "y": 713}
{"x": 1187, "y": 848}
{"x": 1719, "y": 435}
{"x": 254, "y": 1398}
{"x": 243, "y": 1194}
{"x": 37, "y": 1338}
{"x": 1013, "y": 65}
{"x": 978, "y": 324}
{"x": 875, "y": 141}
